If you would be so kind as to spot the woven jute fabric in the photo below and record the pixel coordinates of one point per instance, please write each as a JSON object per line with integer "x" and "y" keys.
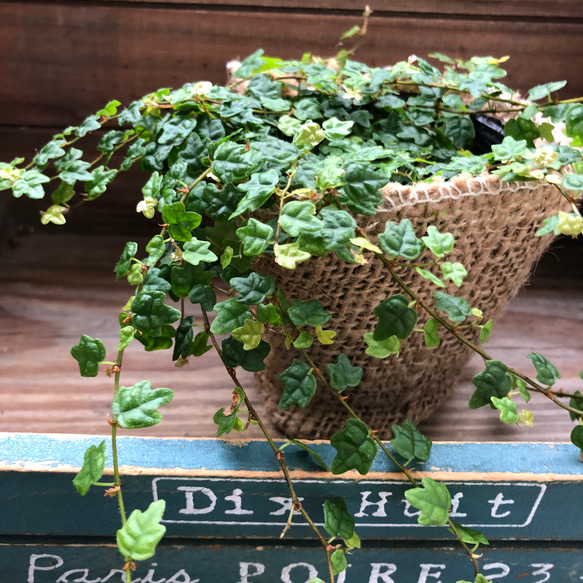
{"x": 494, "y": 225}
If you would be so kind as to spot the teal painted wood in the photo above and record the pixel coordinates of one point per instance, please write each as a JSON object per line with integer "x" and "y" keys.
{"x": 54, "y": 450}
{"x": 187, "y": 563}
{"x": 221, "y": 489}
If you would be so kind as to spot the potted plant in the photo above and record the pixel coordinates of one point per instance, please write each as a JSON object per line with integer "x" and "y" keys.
{"x": 348, "y": 226}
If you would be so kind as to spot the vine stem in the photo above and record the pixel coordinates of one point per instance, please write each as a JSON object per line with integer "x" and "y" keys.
{"x": 454, "y": 331}
{"x": 116, "y": 476}
{"x": 296, "y": 504}
{"x": 402, "y": 468}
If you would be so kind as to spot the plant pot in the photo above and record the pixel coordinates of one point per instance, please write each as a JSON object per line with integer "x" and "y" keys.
{"x": 494, "y": 225}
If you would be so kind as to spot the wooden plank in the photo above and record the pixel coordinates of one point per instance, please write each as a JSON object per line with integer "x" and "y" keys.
{"x": 221, "y": 489}
{"x": 494, "y": 9}
{"x": 211, "y": 563}
{"x": 59, "y": 65}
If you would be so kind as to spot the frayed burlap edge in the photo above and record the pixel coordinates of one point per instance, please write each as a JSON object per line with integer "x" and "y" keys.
{"x": 494, "y": 225}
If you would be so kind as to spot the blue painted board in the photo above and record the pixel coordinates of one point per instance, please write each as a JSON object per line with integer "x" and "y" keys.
{"x": 222, "y": 489}
{"x": 188, "y": 563}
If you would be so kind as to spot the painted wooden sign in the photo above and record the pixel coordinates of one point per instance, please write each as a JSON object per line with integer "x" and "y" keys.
{"x": 226, "y": 506}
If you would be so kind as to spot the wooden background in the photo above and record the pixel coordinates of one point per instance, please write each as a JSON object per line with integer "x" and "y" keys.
{"x": 63, "y": 60}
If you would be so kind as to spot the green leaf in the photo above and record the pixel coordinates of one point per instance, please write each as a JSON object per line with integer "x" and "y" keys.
{"x": 469, "y": 535}
{"x": 98, "y": 184}
{"x": 155, "y": 249}
{"x": 546, "y": 372}
{"x": 196, "y": 251}
{"x": 136, "y": 274}
{"x": 336, "y": 129}
{"x": 338, "y": 522}
{"x": 494, "y": 381}
{"x": 255, "y": 236}
{"x": 311, "y": 313}
{"x": 254, "y": 288}
{"x": 454, "y": 271}
{"x": 544, "y": 91}
{"x": 522, "y": 129}
{"x": 126, "y": 335}
{"x": 355, "y": 449}
{"x": 137, "y": 406}
{"x": 180, "y": 222}
{"x": 509, "y": 149}
{"x": 89, "y": 124}
{"x": 233, "y": 163}
{"x": 576, "y": 401}
{"x": 485, "y": 331}
{"x": 409, "y": 442}
{"x": 434, "y": 501}
{"x": 430, "y": 276}
{"x": 439, "y": 243}
{"x": 249, "y": 334}
{"x": 155, "y": 281}
{"x": 122, "y": 267}
{"x": 200, "y": 344}
{"x": 521, "y": 386}
{"x": 577, "y": 436}
{"x": 258, "y": 190}
{"x": 573, "y": 181}
{"x": 176, "y": 130}
{"x": 183, "y": 338}
{"x": 457, "y": 309}
{"x": 309, "y": 134}
{"x": 184, "y": 277}
{"x": 336, "y": 231}
{"x": 289, "y": 255}
{"x": 64, "y": 193}
{"x": 231, "y": 314}
{"x": 304, "y": 340}
{"x": 430, "y": 333}
{"x": 226, "y": 423}
{"x": 30, "y": 184}
{"x": 289, "y": 125}
{"x": 151, "y": 314}
{"x": 361, "y": 191}
{"x": 317, "y": 457}
{"x": 250, "y": 65}
{"x": 203, "y": 295}
{"x": 269, "y": 313}
{"x": 460, "y": 130}
{"x": 138, "y": 538}
{"x": 89, "y": 353}
{"x": 574, "y": 122}
{"x": 382, "y": 349}
{"x": 298, "y": 217}
{"x": 400, "y": 240}
{"x": 235, "y": 355}
{"x": 507, "y": 408}
{"x": 92, "y": 470}
{"x": 299, "y": 385}
{"x": 343, "y": 374}
{"x": 396, "y": 318}
{"x": 478, "y": 579}
{"x": 50, "y": 151}
{"x": 110, "y": 109}
{"x": 54, "y": 214}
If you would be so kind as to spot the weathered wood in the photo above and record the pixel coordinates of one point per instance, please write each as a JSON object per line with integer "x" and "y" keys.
{"x": 493, "y": 10}
{"x": 53, "y": 288}
{"x": 219, "y": 491}
{"x": 59, "y": 65}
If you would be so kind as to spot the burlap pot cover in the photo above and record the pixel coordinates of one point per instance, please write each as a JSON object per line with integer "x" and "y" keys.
{"x": 494, "y": 225}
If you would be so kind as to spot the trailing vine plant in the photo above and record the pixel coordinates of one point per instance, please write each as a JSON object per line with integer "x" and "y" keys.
{"x": 312, "y": 141}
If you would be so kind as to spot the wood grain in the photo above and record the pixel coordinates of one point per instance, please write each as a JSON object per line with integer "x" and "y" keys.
{"x": 53, "y": 288}
{"x": 58, "y": 64}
